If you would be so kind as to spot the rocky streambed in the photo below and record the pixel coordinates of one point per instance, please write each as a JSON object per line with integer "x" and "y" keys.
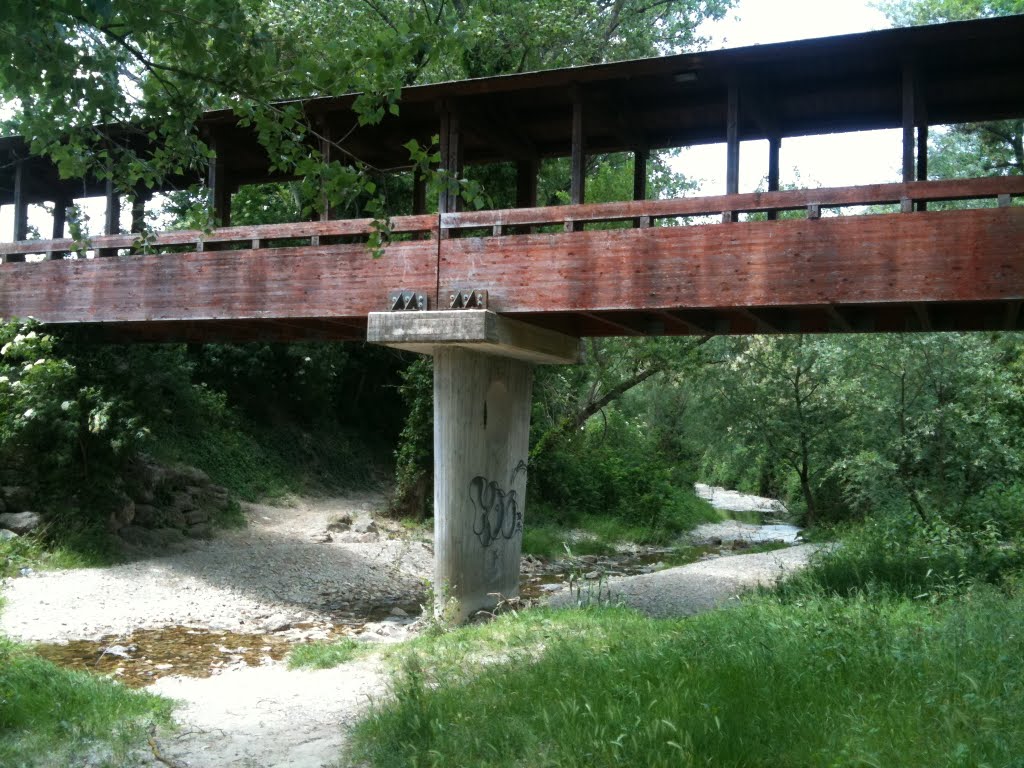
{"x": 210, "y": 621}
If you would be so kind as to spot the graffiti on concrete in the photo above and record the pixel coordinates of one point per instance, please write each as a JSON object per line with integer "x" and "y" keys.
{"x": 497, "y": 514}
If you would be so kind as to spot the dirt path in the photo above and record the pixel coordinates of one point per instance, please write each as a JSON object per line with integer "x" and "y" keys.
{"x": 285, "y": 579}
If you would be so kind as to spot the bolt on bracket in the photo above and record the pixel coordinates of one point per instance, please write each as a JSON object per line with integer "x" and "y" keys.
{"x": 407, "y": 301}
{"x": 467, "y": 300}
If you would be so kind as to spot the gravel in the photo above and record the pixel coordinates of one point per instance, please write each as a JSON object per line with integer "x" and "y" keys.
{"x": 286, "y": 568}
{"x": 279, "y": 570}
{"x": 689, "y": 589}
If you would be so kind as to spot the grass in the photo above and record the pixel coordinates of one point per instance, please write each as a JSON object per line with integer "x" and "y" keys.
{"x": 51, "y": 716}
{"x": 825, "y": 682}
{"x": 73, "y": 550}
{"x": 325, "y": 655}
{"x": 601, "y": 534}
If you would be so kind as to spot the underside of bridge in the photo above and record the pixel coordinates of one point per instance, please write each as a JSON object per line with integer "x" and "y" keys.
{"x": 519, "y": 286}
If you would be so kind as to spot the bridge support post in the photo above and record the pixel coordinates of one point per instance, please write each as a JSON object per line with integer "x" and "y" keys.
{"x": 483, "y": 381}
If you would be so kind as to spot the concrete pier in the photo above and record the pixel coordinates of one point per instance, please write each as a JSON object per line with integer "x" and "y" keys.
{"x": 483, "y": 381}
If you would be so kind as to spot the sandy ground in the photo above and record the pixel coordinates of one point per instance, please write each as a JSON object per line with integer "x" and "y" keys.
{"x": 279, "y": 572}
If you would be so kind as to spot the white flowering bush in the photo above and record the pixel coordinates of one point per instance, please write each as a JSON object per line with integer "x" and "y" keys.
{"x": 56, "y": 430}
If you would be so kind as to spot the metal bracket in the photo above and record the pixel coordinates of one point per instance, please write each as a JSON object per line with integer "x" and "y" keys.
{"x": 407, "y": 301}
{"x": 467, "y": 300}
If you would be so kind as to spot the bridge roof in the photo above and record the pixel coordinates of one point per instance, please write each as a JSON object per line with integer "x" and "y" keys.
{"x": 966, "y": 72}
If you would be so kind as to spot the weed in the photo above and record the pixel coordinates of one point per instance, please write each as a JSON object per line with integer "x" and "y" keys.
{"x": 325, "y": 655}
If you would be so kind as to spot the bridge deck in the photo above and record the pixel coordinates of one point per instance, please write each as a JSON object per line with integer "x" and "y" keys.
{"x": 645, "y": 267}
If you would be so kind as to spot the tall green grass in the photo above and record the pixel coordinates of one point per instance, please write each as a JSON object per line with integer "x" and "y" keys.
{"x": 827, "y": 682}
{"x": 51, "y": 716}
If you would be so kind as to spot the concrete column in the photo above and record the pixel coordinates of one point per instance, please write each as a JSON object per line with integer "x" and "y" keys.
{"x": 481, "y": 445}
{"x": 483, "y": 381}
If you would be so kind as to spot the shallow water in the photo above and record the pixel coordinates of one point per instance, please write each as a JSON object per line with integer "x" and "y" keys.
{"x": 145, "y": 655}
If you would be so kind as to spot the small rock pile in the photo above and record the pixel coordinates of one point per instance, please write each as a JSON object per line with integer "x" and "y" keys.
{"x": 162, "y": 506}
{"x": 16, "y": 518}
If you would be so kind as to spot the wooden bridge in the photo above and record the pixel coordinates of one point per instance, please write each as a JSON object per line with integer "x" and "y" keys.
{"x": 729, "y": 264}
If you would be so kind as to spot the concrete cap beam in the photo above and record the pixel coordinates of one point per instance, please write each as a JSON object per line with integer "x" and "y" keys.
{"x": 479, "y": 330}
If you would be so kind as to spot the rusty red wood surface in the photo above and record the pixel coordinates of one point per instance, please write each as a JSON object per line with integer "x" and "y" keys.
{"x": 424, "y": 225}
{"x": 945, "y": 270}
{"x": 754, "y": 202}
{"x": 949, "y": 256}
{"x": 335, "y": 281}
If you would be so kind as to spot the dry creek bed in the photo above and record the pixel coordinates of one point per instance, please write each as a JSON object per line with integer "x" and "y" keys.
{"x": 212, "y": 625}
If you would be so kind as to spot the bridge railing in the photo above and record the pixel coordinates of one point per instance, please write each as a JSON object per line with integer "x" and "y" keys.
{"x": 495, "y": 223}
{"x": 644, "y": 213}
{"x": 297, "y": 234}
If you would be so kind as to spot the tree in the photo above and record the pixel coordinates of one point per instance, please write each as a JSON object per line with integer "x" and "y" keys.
{"x": 152, "y": 68}
{"x": 786, "y": 396}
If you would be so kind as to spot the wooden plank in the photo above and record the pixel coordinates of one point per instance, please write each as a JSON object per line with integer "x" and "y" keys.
{"x": 955, "y": 189}
{"x": 947, "y": 256}
{"x": 332, "y": 281}
{"x": 303, "y": 229}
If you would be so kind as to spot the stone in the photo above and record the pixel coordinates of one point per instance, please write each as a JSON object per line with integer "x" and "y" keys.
{"x": 193, "y": 475}
{"x": 342, "y": 523}
{"x": 148, "y": 516}
{"x": 17, "y": 497}
{"x": 201, "y": 531}
{"x": 122, "y": 513}
{"x": 396, "y": 611}
{"x": 364, "y": 526}
{"x": 6, "y": 535}
{"x": 3, "y": 505}
{"x": 182, "y": 502}
{"x": 20, "y": 522}
{"x": 197, "y": 516}
{"x": 158, "y": 538}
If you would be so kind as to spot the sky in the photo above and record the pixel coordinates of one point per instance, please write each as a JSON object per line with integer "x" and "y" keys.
{"x": 836, "y": 160}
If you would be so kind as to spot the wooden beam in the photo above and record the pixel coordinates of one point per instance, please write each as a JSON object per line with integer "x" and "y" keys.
{"x": 449, "y": 200}
{"x": 924, "y": 320}
{"x": 60, "y": 216}
{"x": 1011, "y": 316}
{"x": 20, "y": 210}
{"x": 139, "y": 200}
{"x": 909, "y": 117}
{"x": 419, "y": 194}
{"x": 774, "y": 150}
{"x": 763, "y": 324}
{"x": 640, "y": 158}
{"x": 934, "y": 257}
{"x": 526, "y": 183}
{"x": 219, "y": 185}
{"x": 578, "y": 164}
{"x": 622, "y": 329}
{"x": 838, "y": 197}
{"x": 287, "y": 284}
{"x": 112, "y": 216}
{"x": 732, "y": 144}
{"x": 686, "y": 322}
{"x": 326, "y": 157}
{"x": 838, "y": 319}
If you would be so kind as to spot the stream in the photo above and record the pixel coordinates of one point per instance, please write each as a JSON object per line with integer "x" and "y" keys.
{"x": 140, "y": 657}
